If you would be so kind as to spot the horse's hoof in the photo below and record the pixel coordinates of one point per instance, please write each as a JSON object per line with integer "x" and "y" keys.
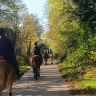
{"x": 38, "y": 75}
{"x": 10, "y": 94}
{"x": 36, "y": 78}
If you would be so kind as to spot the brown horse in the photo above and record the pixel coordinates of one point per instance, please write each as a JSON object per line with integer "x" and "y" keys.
{"x": 45, "y": 57}
{"x": 7, "y": 76}
{"x": 36, "y": 61}
{"x": 51, "y": 58}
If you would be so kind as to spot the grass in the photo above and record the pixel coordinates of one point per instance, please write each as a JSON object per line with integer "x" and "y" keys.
{"x": 83, "y": 78}
{"x": 23, "y": 69}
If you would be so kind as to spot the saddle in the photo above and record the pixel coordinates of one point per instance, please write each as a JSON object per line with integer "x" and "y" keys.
{"x": 32, "y": 60}
{"x": 1, "y": 57}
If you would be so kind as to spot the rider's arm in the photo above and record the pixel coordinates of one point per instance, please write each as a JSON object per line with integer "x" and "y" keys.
{"x": 11, "y": 47}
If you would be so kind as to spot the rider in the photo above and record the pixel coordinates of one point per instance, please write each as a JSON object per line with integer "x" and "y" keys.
{"x": 36, "y": 50}
{"x": 7, "y": 52}
{"x": 50, "y": 52}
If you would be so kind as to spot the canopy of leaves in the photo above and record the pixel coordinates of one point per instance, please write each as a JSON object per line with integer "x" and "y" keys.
{"x": 86, "y": 12}
{"x": 21, "y": 27}
{"x": 71, "y": 28}
{"x": 31, "y": 32}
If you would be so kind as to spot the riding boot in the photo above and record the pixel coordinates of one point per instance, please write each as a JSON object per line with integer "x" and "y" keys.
{"x": 41, "y": 57}
{"x": 17, "y": 73}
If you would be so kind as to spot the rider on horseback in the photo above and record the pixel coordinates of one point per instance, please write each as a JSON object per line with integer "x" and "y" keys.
{"x": 50, "y": 53}
{"x": 36, "y": 54}
{"x": 36, "y": 50}
{"x": 7, "y": 52}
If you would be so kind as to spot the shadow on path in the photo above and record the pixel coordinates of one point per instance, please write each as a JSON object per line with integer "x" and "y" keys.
{"x": 49, "y": 84}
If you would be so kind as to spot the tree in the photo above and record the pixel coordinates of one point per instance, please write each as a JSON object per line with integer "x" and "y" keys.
{"x": 31, "y": 32}
{"x": 72, "y": 29}
{"x": 10, "y": 13}
{"x": 60, "y": 25}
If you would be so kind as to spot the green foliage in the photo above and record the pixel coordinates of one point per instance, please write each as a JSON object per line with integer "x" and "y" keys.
{"x": 20, "y": 60}
{"x": 22, "y": 28}
{"x": 23, "y": 69}
{"x": 86, "y": 10}
{"x": 61, "y": 32}
{"x": 72, "y": 37}
{"x": 31, "y": 32}
{"x": 10, "y": 18}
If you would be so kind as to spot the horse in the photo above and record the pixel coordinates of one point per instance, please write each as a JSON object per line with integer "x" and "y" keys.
{"x": 36, "y": 61}
{"x": 51, "y": 57}
{"x": 45, "y": 57}
{"x": 7, "y": 76}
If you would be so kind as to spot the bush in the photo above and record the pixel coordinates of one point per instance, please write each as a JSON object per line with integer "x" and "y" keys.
{"x": 22, "y": 60}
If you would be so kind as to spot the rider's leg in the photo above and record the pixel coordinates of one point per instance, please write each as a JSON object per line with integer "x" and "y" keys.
{"x": 12, "y": 60}
{"x": 41, "y": 57}
{"x": 16, "y": 67}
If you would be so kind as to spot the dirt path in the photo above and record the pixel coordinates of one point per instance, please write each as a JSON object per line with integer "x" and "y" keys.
{"x": 49, "y": 84}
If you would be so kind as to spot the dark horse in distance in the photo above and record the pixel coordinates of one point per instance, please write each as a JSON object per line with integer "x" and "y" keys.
{"x": 45, "y": 57}
{"x": 36, "y": 62}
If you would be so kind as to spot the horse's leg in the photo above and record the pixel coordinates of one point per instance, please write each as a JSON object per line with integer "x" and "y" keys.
{"x": 38, "y": 72}
{"x": 39, "y": 69}
{"x": 46, "y": 62}
{"x": 34, "y": 71}
{"x": 9, "y": 86}
{"x": 10, "y": 94}
{"x": 51, "y": 57}
{"x": 0, "y": 94}
{"x": 2, "y": 85}
{"x": 1, "y": 88}
{"x": 51, "y": 60}
{"x": 10, "y": 81}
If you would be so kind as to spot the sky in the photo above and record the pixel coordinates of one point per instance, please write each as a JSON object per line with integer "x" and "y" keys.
{"x": 37, "y": 7}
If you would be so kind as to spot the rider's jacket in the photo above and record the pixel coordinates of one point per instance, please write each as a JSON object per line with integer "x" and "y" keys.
{"x": 36, "y": 50}
{"x": 50, "y": 52}
{"x": 6, "y": 47}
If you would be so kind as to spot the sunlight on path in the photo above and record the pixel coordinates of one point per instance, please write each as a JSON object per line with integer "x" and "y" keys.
{"x": 49, "y": 84}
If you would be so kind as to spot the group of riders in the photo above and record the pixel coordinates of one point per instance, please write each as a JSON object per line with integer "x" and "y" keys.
{"x": 7, "y": 52}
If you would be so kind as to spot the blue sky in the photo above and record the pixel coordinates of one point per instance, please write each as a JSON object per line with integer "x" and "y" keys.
{"x": 37, "y": 7}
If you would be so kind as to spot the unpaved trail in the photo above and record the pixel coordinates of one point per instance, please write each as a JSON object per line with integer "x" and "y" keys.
{"x": 49, "y": 84}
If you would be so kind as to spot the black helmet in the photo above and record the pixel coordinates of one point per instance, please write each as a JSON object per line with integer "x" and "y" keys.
{"x": 2, "y": 31}
{"x": 35, "y": 43}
